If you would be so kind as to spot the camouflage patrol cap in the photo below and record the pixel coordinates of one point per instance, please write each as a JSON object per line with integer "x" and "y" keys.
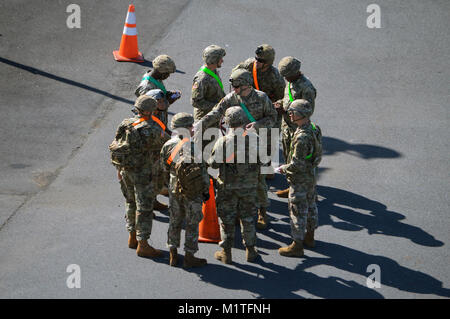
{"x": 182, "y": 120}
{"x": 145, "y": 103}
{"x": 235, "y": 116}
{"x": 265, "y": 52}
{"x": 301, "y": 107}
{"x": 164, "y": 64}
{"x": 241, "y": 77}
{"x": 213, "y": 53}
{"x": 156, "y": 94}
{"x": 289, "y": 66}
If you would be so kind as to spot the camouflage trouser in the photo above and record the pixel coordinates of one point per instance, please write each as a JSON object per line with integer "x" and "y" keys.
{"x": 233, "y": 203}
{"x": 263, "y": 198}
{"x": 302, "y": 209}
{"x": 137, "y": 189}
{"x": 182, "y": 209}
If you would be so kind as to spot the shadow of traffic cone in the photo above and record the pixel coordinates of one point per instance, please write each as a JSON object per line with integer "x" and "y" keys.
{"x": 209, "y": 226}
{"x": 128, "y": 51}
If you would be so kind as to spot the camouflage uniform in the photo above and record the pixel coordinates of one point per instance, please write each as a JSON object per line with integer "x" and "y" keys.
{"x": 306, "y": 152}
{"x": 136, "y": 183}
{"x": 302, "y": 88}
{"x": 206, "y": 93}
{"x": 265, "y": 115}
{"x": 181, "y": 208}
{"x": 236, "y": 189}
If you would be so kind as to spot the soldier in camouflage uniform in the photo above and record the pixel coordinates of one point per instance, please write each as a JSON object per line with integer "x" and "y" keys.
{"x": 266, "y": 78}
{"x": 160, "y": 116}
{"x": 261, "y": 111}
{"x": 236, "y": 184}
{"x": 298, "y": 87}
{"x": 207, "y": 87}
{"x": 182, "y": 208}
{"x": 306, "y": 154}
{"x": 163, "y": 66}
{"x": 136, "y": 181}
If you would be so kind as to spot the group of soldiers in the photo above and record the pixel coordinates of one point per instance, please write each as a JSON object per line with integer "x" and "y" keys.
{"x": 262, "y": 96}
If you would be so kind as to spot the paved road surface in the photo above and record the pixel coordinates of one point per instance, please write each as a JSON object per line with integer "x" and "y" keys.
{"x": 383, "y": 105}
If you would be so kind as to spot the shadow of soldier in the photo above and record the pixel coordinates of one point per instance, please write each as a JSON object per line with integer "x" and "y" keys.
{"x": 392, "y": 273}
{"x": 377, "y": 220}
{"x": 274, "y": 281}
{"x": 333, "y": 145}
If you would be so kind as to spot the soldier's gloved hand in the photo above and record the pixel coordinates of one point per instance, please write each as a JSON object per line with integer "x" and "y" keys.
{"x": 173, "y": 96}
{"x": 205, "y": 197}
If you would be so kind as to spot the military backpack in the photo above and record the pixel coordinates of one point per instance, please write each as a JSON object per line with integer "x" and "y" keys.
{"x": 124, "y": 148}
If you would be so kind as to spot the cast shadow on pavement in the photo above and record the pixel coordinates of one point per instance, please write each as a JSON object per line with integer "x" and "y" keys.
{"x": 333, "y": 145}
{"x": 270, "y": 280}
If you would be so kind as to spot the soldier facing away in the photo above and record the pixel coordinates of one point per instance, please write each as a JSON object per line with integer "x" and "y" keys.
{"x": 183, "y": 205}
{"x": 237, "y": 184}
{"x": 298, "y": 87}
{"x": 260, "y": 112}
{"x": 134, "y": 152}
{"x": 266, "y": 78}
{"x": 306, "y": 154}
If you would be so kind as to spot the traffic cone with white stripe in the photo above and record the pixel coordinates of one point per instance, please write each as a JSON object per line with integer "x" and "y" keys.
{"x": 128, "y": 51}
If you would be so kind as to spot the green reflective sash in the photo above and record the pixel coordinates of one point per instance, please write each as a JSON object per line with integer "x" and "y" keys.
{"x": 209, "y": 72}
{"x": 156, "y": 82}
{"x": 314, "y": 128}
{"x": 250, "y": 117}
{"x": 290, "y": 94}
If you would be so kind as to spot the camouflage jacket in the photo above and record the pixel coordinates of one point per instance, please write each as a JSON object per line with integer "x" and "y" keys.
{"x": 237, "y": 169}
{"x": 148, "y": 142}
{"x": 270, "y": 82}
{"x": 257, "y": 103}
{"x": 300, "y": 167}
{"x": 169, "y": 166}
{"x": 206, "y": 92}
{"x": 300, "y": 89}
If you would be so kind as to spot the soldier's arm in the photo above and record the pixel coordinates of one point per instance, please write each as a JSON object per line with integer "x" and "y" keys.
{"x": 309, "y": 94}
{"x": 215, "y": 114}
{"x": 279, "y": 88}
{"x": 270, "y": 115}
{"x": 302, "y": 148}
{"x": 198, "y": 96}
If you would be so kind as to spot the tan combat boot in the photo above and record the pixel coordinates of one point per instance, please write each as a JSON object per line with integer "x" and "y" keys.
{"x": 145, "y": 250}
{"x": 191, "y": 261}
{"x": 159, "y": 206}
{"x": 173, "y": 258}
{"x": 293, "y": 250}
{"x": 132, "y": 241}
{"x": 262, "y": 219}
{"x": 308, "y": 241}
{"x": 250, "y": 253}
{"x": 224, "y": 255}
{"x": 283, "y": 193}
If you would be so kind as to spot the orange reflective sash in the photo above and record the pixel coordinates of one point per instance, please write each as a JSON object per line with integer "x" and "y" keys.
{"x": 255, "y": 78}
{"x": 154, "y": 118}
{"x": 176, "y": 150}
{"x": 142, "y": 119}
{"x": 157, "y": 120}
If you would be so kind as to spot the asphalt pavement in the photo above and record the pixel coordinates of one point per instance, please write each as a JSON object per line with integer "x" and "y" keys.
{"x": 382, "y": 104}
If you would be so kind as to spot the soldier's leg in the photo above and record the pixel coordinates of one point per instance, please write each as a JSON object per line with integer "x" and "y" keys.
{"x": 177, "y": 214}
{"x": 127, "y": 188}
{"x": 193, "y": 217}
{"x": 262, "y": 202}
{"x": 226, "y": 211}
{"x": 248, "y": 211}
{"x": 144, "y": 195}
{"x": 298, "y": 211}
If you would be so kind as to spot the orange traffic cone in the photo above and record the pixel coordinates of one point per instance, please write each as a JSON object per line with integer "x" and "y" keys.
{"x": 209, "y": 226}
{"x": 128, "y": 51}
